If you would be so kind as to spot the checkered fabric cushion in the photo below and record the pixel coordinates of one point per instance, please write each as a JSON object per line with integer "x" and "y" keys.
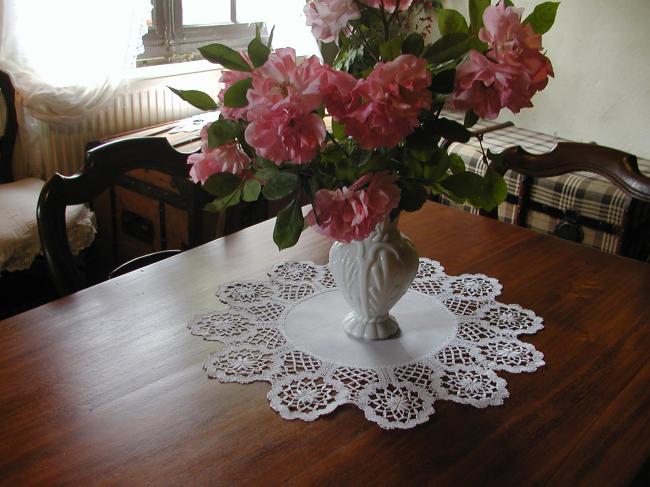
{"x": 586, "y": 194}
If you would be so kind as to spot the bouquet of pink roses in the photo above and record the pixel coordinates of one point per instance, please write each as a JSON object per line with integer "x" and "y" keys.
{"x": 360, "y": 139}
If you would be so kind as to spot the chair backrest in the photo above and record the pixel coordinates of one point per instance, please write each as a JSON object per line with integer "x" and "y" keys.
{"x": 619, "y": 167}
{"x": 8, "y": 137}
{"x": 104, "y": 166}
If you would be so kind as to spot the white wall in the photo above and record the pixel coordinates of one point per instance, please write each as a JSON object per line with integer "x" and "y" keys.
{"x": 600, "y": 50}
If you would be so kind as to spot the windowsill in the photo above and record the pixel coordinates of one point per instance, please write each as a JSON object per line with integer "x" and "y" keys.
{"x": 187, "y": 67}
{"x": 173, "y": 69}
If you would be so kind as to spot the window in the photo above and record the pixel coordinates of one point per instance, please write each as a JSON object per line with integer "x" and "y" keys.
{"x": 178, "y": 27}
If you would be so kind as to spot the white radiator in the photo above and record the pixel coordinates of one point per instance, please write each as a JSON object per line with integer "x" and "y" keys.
{"x": 60, "y": 148}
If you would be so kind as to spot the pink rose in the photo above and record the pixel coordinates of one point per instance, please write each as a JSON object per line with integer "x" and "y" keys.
{"x": 485, "y": 87}
{"x": 384, "y": 108}
{"x": 329, "y": 17}
{"x": 539, "y": 68}
{"x": 336, "y": 87}
{"x": 389, "y": 5}
{"x": 352, "y": 213}
{"x": 229, "y": 78}
{"x": 512, "y": 71}
{"x": 280, "y": 77}
{"x": 224, "y": 158}
{"x": 503, "y": 32}
{"x": 285, "y": 132}
{"x": 280, "y": 105}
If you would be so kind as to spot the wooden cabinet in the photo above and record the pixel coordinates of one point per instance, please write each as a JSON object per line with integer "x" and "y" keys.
{"x": 146, "y": 211}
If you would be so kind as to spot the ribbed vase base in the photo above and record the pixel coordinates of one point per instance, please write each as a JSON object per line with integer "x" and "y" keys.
{"x": 370, "y": 328}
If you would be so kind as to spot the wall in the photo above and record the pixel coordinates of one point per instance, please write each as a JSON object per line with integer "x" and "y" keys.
{"x": 600, "y": 51}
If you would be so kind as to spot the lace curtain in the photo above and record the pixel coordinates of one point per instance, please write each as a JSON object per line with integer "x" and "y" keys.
{"x": 66, "y": 58}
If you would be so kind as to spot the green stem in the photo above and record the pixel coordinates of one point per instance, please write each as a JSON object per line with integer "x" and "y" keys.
{"x": 365, "y": 43}
{"x": 480, "y": 143}
{"x": 331, "y": 138}
{"x": 391, "y": 18}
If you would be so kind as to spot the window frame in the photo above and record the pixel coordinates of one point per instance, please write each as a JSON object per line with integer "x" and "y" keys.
{"x": 169, "y": 41}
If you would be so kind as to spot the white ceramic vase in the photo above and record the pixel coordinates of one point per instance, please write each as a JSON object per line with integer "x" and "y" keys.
{"x": 373, "y": 274}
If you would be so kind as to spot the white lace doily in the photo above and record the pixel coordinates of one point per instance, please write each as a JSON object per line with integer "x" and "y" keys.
{"x": 287, "y": 331}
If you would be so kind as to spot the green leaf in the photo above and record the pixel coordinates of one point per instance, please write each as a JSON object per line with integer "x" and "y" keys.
{"x": 421, "y": 145}
{"x": 413, "y": 195}
{"x": 478, "y": 45}
{"x": 221, "y": 204}
{"x": 464, "y": 186}
{"x": 270, "y": 43}
{"x": 265, "y": 169}
{"x": 258, "y": 51}
{"x": 222, "y": 184}
{"x": 450, "y": 130}
{"x": 281, "y": 185}
{"x": 470, "y": 119}
{"x": 481, "y": 191}
{"x": 410, "y": 167}
{"x": 448, "y": 47}
{"x": 224, "y": 55}
{"x": 338, "y": 130}
{"x": 436, "y": 189}
{"x": 543, "y": 17}
{"x": 345, "y": 171}
{"x": 288, "y": 225}
{"x": 476, "y": 9}
{"x": 495, "y": 190}
{"x": 450, "y": 21}
{"x": 508, "y": 3}
{"x": 196, "y": 98}
{"x": 223, "y": 131}
{"x": 436, "y": 168}
{"x": 252, "y": 189}
{"x": 390, "y": 49}
{"x": 413, "y": 44}
{"x": 443, "y": 82}
{"x": 376, "y": 162}
{"x": 456, "y": 164}
{"x": 235, "y": 96}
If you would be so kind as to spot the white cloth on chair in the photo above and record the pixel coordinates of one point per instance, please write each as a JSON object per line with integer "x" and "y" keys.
{"x": 19, "y": 240}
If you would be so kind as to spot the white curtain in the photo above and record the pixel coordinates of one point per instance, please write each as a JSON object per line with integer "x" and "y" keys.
{"x": 67, "y": 57}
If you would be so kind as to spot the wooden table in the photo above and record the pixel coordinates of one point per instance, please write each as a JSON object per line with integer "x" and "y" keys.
{"x": 105, "y": 386}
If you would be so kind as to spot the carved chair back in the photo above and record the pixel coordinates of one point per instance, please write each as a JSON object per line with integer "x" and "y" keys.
{"x": 104, "y": 166}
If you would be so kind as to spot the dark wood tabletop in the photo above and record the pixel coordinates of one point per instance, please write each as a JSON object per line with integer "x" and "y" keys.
{"x": 106, "y": 385}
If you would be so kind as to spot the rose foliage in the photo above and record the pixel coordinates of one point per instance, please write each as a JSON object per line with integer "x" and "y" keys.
{"x": 361, "y": 139}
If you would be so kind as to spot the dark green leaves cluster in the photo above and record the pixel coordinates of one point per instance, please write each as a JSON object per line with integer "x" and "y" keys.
{"x": 428, "y": 169}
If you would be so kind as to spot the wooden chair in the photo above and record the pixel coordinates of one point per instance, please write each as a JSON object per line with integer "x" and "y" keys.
{"x": 620, "y": 168}
{"x": 106, "y": 166}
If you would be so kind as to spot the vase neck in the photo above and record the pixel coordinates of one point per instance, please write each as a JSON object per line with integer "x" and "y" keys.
{"x": 385, "y": 230}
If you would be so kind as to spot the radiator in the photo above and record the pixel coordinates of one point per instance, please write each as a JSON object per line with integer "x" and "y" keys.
{"x": 49, "y": 148}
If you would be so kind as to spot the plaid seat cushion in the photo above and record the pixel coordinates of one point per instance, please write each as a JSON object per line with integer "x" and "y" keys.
{"x": 599, "y": 204}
